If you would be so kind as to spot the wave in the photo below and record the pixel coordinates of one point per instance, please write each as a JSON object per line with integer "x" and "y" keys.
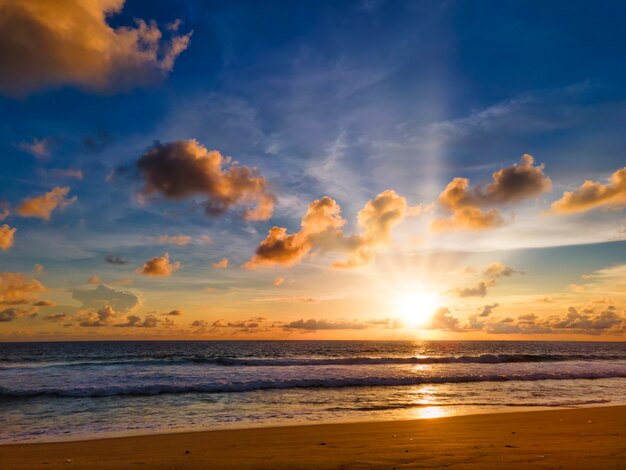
{"x": 277, "y": 384}
{"x": 335, "y": 361}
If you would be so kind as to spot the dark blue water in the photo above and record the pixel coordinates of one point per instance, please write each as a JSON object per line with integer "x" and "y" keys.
{"x": 71, "y": 390}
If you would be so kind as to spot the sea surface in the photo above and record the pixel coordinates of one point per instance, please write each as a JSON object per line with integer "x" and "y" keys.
{"x": 58, "y": 391}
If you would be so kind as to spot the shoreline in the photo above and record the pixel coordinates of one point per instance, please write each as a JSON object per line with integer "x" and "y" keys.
{"x": 427, "y": 413}
{"x": 590, "y": 437}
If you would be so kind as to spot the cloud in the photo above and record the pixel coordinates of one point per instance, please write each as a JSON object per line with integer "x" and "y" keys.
{"x": 38, "y": 269}
{"x": 279, "y": 281}
{"x": 68, "y": 173}
{"x": 4, "y": 213}
{"x": 593, "y": 194}
{"x": 40, "y": 148}
{"x": 93, "y": 280}
{"x": 18, "y": 289}
{"x": 185, "y": 168}
{"x": 321, "y": 230}
{"x": 56, "y": 316}
{"x": 120, "y": 301}
{"x": 50, "y": 44}
{"x": 488, "y": 310}
{"x": 304, "y": 300}
{"x": 173, "y": 313}
{"x": 43, "y": 206}
{"x": 443, "y": 320}
{"x": 222, "y": 264}
{"x": 44, "y": 303}
{"x": 105, "y": 316}
{"x": 314, "y": 325}
{"x": 111, "y": 259}
{"x": 509, "y": 185}
{"x": 480, "y": 290}
{"x": 199, "y": 324}
{"x": 6, "y": 237}
{"x": 492, "y": 273}
{"x": 178, "y": 240}
{"x": 159, "y": 266}
{"x": 149, "y": 321}
{"x": 13, "y": 313}
{"x": 496, "y": 270}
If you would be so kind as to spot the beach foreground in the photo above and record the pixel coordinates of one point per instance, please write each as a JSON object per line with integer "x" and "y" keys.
{"x": 577, "y": 438}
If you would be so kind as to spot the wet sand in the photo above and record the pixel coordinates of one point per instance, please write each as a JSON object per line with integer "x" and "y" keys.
{"x": 590, "y": 438}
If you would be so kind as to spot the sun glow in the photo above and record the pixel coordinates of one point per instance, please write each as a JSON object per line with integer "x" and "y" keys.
{"x": 416, "y": 309}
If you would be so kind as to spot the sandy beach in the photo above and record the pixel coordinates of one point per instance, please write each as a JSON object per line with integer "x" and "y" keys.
{"x": 577, "y": 438}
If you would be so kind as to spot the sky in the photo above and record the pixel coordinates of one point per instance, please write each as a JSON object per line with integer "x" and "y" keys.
{"x": 371, "y": 169}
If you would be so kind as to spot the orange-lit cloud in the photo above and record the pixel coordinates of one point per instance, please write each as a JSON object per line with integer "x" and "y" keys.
{"x": 40, "y": 148}
{"x": 491, "y": 273}
{"x": 221, "y": 264}
{"x": 93, "y": 280}
{"x": 593, "y": 194}
{"x": 43, "y": 206}
{"x": 315, "y": 325}
{"x": 121, "y": 301}
{"x": 6, "y": 237}
{"x": 279, "y": 281}
{"x": 69, "y": 42}
{"x": 159, "y": 266}
{"x": 185, "y": 168}
{"x": 321, "y": 229}
{"x": 17, "y": 289}
{"x": 173, "y": 313}
{"x": 512, "y": 184}
{"x": 179, "y": 240}
{"x": 105, "y": 316}
{"x": 44, "y": 303}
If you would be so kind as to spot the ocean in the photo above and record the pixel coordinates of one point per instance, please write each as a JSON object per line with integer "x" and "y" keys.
{"x": 76, "y": 390}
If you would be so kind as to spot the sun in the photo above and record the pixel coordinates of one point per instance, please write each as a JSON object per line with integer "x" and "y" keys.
{"x": 416, "y": 309}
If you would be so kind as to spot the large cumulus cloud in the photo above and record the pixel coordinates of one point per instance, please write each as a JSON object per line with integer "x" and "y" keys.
{"x": 466, "y": 205}
{"x": 593, "y": 194}
{"x": 321, "y": 229}
{"x": 185, "y": 168}
{"x": 47, "y": 43}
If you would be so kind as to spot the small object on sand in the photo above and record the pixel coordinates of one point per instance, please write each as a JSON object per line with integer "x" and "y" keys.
{"x": 68, "y": 460}
{"x": 393, "y": 435}
{"x": 510, "y": 446}
{"x": 187, "y": 452}
{"x": 321, "y": 444}
{"x": 513, "y": 432}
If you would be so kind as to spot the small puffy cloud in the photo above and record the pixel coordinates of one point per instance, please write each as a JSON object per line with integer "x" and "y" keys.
{"x": 44, "y": 303}
{"x": 38, "y": 269}
{"x": 17, "y": 289}
{"x": 199, "y": 324}
{"x": 7, "y": 235}
{"x": 111, "y": 259}
{"x": 593, "y": 194}
{"x": 465, "y": 205}
{"x": 13, "y": 313}
{"x": 321, "y": 230}
{"x": 493, "y": 272}
{"x": 173, "y": 313}
{"x": 185, "y": 168}
{"x": 178, "y": 240}
{"x": 120, "y": 301}
{"x": 40, "y": 148}
{"x": 50, "y": 44}
{"x": 105, "y": 316}
{"x": 480, "y": 290}
{"x": 94, "y": 280}
{"x": 443, "y": 320}
{"x": 159, "y": 266}
{"x": 279, "y": 281}
{"x": 43, "y": 206}
{"x": 496, "y": 270}
{"x": 314, "y": 325}
{"x": 4, "y": 213}
{"x": 488, "y": 310}
{"x": 149, "y": 321}
{"x": 221, "y": 264}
